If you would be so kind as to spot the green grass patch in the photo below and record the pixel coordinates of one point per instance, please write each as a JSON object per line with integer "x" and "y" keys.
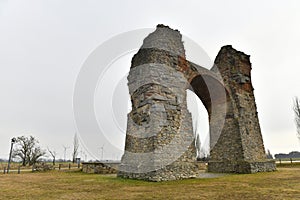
{"x": 288, "y": 165}
{"x": 282, "y": 184}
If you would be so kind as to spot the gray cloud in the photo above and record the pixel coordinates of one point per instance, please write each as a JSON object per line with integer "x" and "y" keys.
{"x": 45, "y": 43}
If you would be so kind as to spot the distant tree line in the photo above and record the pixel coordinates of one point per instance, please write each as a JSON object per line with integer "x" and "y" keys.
{"x": 293, "y": 154}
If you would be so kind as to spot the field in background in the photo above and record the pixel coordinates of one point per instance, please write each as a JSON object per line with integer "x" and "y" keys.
{"x": 282, "y": 184}
{"x": 14, "y": 166}
{"x": 288, "y": 165}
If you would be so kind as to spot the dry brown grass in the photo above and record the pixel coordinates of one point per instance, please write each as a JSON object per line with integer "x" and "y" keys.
{"x": 282, "y": 184}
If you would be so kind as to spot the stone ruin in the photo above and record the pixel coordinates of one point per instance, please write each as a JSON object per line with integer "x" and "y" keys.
{"x": 160, "y": 141}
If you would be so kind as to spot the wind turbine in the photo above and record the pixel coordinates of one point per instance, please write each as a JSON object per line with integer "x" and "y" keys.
{"x": 102, "y": 149}
{"x": 65, "y": 150}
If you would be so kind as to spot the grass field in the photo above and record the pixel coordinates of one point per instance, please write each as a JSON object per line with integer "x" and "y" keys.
{"x": 282, "y": 184}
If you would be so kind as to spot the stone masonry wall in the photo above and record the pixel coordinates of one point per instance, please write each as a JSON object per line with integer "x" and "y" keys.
{"x": 100, "y": 167}
{"x": 241, "y": 140}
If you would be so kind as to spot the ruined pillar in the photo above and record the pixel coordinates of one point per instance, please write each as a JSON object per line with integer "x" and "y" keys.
{"x": 159, "y": 140}
{"x": 239, "y": 147}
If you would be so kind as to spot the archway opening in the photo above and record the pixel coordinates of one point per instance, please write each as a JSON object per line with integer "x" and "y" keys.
{"x": 211, "y": 97}
{"x": 200, "y": 120}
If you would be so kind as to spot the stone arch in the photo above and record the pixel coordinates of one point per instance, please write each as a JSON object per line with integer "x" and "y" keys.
{"x": 209, "y": 90}
{"x": 160, "y": 140}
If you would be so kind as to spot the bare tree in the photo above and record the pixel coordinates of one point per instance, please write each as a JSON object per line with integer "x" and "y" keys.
{"x": 268, "y": 154}
{"x": 297, "y": 115}
{"x": 197, "y": 140}
{"x": 27, "y": 150}
{"x": 36, "y": 153}
{"x": 75, "y": 147}
{"x": 198, "y": 146}
{"x": 53, "y": 154}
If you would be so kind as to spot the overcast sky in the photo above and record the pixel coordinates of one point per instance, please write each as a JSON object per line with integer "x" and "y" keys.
{"x": 44, "y": 45}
